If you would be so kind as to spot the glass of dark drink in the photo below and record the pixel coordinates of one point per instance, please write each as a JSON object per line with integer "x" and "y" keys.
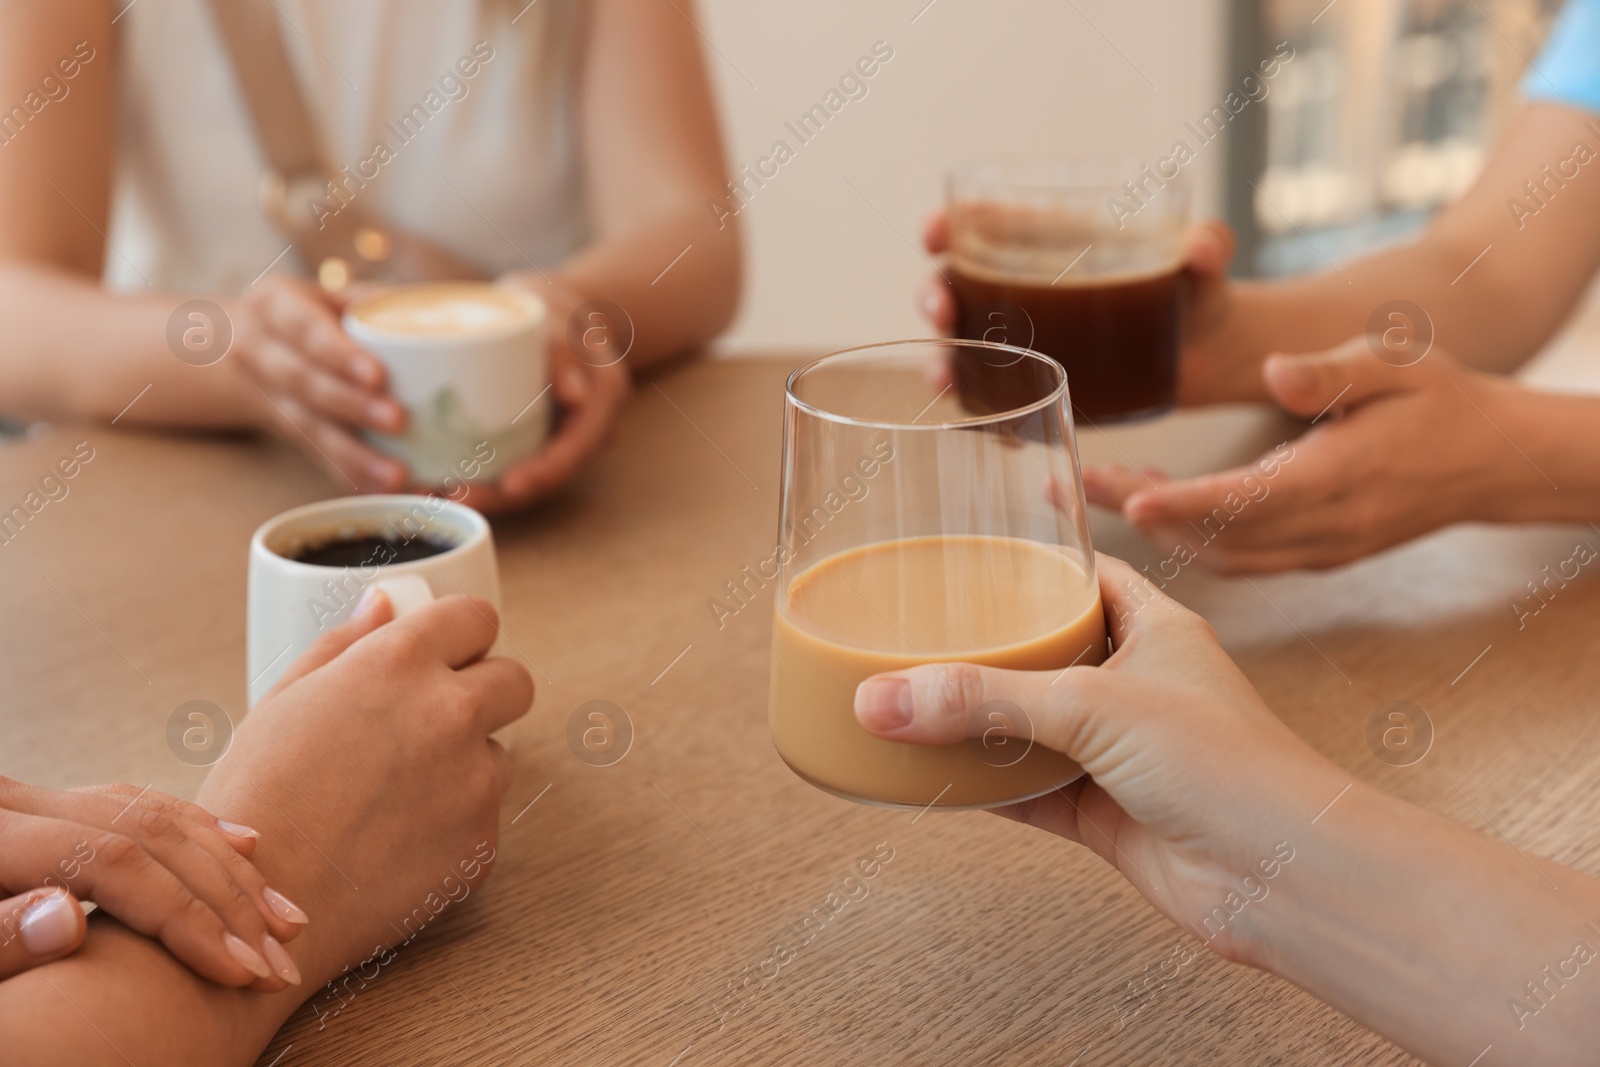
{"x": 1081, "y": 260}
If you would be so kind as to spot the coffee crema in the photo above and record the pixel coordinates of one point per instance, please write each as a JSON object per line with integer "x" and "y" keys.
{"x": 455, "y": 309}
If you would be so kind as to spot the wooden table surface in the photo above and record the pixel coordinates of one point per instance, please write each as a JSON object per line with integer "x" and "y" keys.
{"x": 629, "y": 899}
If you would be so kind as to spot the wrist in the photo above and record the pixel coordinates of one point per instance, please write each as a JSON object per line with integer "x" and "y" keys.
{"x": 1550, "y": 472}
{"x": 292, "y": 864}
{"x": 1225, "y": 366}
{"x": 1370, "y": 918}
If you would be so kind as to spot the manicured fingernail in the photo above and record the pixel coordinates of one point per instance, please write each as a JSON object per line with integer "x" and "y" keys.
{"x": 575, "y": 383}
{"x": 49, "y": 925}
{"x": 247, "y": 957}
{"x": 283, "y": 907}
{"x": 930, "y": 303}
{"x": 369, "y": 601}
{"x": 883, "y": 703}
{"x": 237, "y": 829}
{"x": 279, "y": 958}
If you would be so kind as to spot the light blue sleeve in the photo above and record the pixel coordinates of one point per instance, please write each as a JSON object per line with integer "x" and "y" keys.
{"x": 1568, "y": 70}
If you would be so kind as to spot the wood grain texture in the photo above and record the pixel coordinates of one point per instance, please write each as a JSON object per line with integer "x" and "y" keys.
{"x": 629, "y": 899}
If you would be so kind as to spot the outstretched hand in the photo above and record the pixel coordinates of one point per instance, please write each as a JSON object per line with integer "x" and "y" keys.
{"x": 1394, "y": 452}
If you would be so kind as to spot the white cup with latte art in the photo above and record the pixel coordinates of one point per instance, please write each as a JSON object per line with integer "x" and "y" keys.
{"x": 468, "y": 362}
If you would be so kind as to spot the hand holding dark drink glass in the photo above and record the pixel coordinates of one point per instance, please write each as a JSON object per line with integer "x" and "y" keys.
{"x": 1205, "y": 367}
{"x": 1080, "y": 260}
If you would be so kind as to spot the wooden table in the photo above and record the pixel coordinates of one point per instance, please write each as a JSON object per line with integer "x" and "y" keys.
{"x": 629, "y": 898}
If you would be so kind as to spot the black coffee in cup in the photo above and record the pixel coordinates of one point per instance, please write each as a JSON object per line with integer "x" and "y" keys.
{"x": 359, "y": 550}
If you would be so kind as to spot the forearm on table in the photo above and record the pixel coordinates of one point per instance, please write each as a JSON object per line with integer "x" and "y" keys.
{"x": 1428, "y": 933}
{"x": 122, "y": 998}
{"x": 72, "y": 349}
{"x": 677, "y": 278}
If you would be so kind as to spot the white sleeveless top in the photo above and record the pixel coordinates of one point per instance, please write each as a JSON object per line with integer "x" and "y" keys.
{"x": 186, "y": 210}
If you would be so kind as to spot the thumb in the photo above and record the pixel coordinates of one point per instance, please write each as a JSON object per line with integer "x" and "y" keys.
{"x": 943, "y": 703}
{"x": 373, "y": 610}
{"x": 1208, "y": 250}
{"x": 38, "y": 927}
{"x": 1336, "y": 380}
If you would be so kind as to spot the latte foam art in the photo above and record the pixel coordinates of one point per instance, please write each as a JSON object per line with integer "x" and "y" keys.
{"x": 447, "y": 311}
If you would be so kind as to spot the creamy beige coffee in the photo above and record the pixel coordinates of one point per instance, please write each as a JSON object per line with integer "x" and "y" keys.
{"x": 996, "y": 601}
{"x": 462, "y": 309}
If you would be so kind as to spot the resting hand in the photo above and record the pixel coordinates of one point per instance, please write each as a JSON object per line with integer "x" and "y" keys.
{"x": 1191, "y": 782}
{"x": 1396, "y": 453}
{"x": 371, "y": 774}
{"x": 165, "y": 868}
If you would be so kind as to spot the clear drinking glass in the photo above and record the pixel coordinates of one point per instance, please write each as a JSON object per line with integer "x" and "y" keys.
{"x": 1081, "y": 259}
{"x": 920, "y": 525}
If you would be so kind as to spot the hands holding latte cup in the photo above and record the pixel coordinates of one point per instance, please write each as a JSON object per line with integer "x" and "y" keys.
{"x": 449, "y": 385}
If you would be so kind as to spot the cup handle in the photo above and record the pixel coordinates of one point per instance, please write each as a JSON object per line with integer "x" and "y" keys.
{"x": 406, "y": 593}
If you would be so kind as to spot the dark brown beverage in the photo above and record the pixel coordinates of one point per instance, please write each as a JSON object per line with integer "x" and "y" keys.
{"x": 1116, "y": 336}
{"x": 368, "y": 550}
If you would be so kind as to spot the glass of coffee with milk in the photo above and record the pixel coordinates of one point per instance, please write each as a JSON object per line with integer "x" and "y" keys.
{"x": 1080, "y": 259}
{"x": 916, "y": 527}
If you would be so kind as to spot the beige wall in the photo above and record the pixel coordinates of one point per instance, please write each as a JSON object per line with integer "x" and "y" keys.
{"x": 968, "y": 78}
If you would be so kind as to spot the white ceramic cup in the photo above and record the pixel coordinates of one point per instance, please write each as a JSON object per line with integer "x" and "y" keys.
{"x": 291, "y": 603}
{"x": 470, "y": 373}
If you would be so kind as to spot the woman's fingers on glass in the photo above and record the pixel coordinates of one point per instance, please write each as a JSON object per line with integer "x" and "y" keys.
{"x": 943, "y": 703}
{"x": 938, "y": 304}
{"x": 38, "y": 927}
{"x": 1209, "y": 247}
{"x": 934, "y": 298}
{"x": 117, "y": 873}
{"x": 285, "y": 369}
{"x": 1079, "y": 811}
{"x": 302, "y": 314}
{"x": 372, "y": 611}
{"x": 501, "y": 689}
